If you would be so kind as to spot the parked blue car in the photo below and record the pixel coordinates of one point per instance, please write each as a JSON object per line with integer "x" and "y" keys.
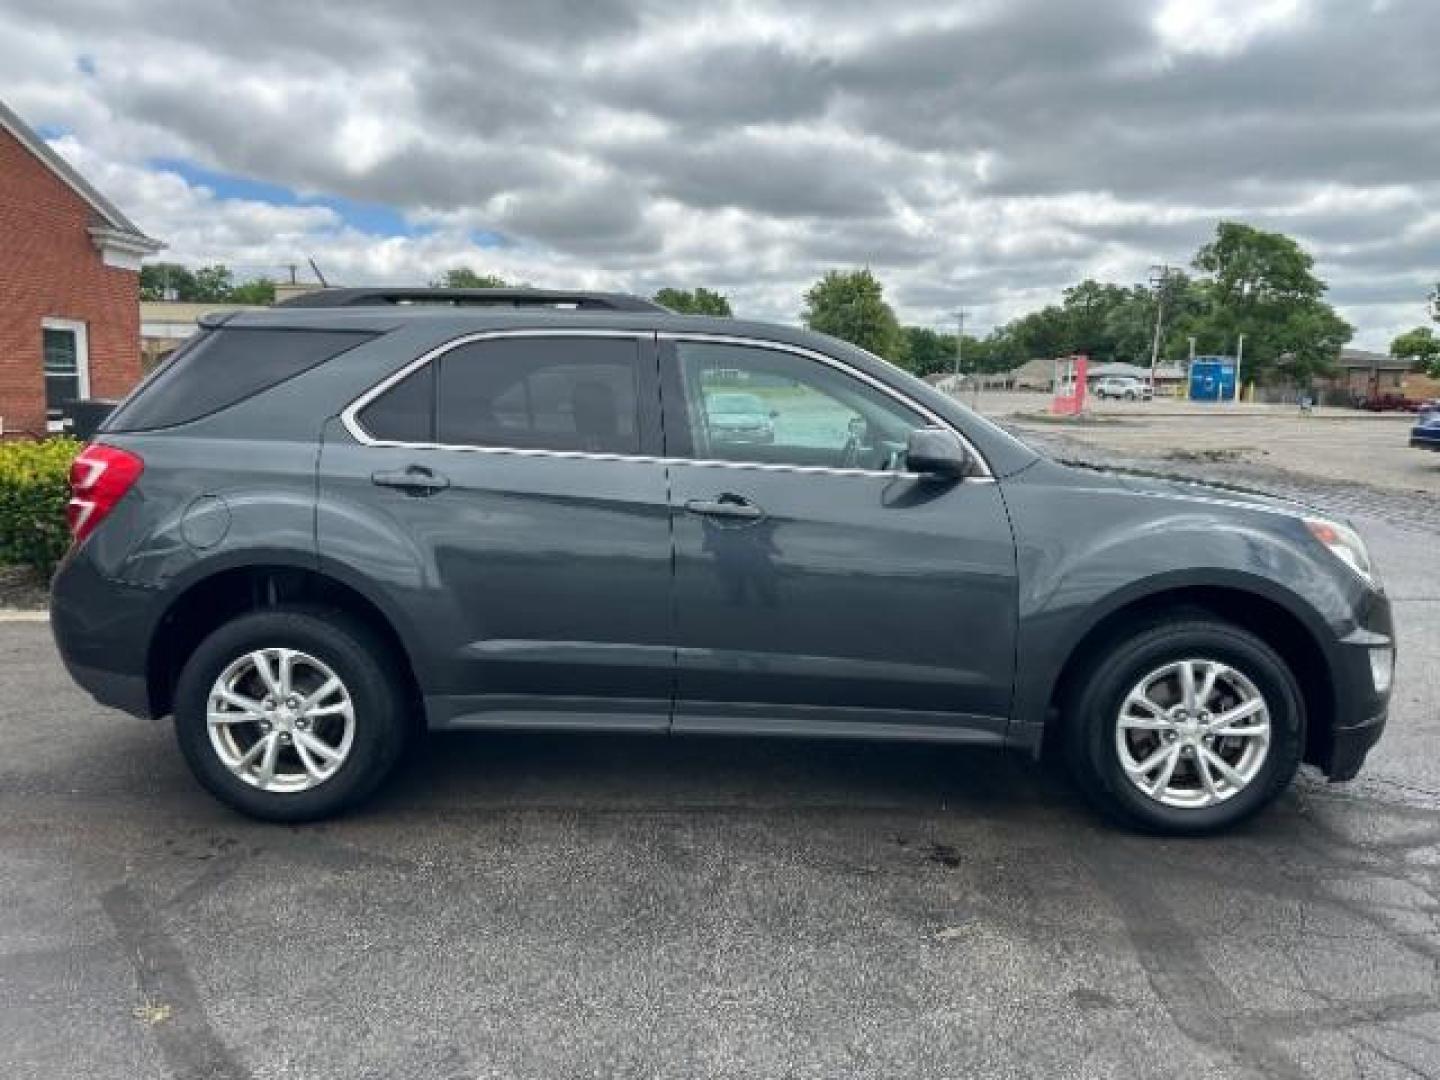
{"x": 1426, "y": 432}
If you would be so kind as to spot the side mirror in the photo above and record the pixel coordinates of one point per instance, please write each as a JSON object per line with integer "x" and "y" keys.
{"x": 937, "y": 454}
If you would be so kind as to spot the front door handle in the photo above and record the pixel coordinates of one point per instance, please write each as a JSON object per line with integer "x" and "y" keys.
{"x": 725, "y": 507}
{"x": 415, "y": 480}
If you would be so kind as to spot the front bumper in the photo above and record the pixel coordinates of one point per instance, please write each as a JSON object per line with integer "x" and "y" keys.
{"x": 1362, "y": 691}
{"x": 1349, "y": 747}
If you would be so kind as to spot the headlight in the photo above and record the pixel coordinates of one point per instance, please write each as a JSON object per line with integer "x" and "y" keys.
{"x": 1345, "y": 544}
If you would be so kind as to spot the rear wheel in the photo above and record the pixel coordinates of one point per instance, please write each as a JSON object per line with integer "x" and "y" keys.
{"x": 1186, "y": 727}
{"x": 290, "y": 714}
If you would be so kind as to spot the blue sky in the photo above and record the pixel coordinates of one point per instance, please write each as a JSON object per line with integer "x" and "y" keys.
{"x": 374, "y": 218}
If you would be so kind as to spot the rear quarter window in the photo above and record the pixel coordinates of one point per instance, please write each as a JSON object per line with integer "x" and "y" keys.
{"x": 223, "y": 368}
{"x": 405, "y": 412}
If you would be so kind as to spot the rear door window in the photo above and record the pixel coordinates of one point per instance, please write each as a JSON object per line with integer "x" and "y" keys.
{"x": 225, "y": 367}
{"x": 561, "y": 393}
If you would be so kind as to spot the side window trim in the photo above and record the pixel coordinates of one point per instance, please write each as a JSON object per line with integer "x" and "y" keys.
{"x": 663, "y": 353}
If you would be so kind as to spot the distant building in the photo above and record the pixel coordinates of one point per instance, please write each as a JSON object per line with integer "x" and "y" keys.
{"x": 166, "y": 324}
{"x": 1037, "y": 374}
{"x": 1361, "y": 375}
{"x": 69, "y": 286}
{"x": 1169, "y": 378}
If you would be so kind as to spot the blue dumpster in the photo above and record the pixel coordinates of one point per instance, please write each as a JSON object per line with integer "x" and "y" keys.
{"x": 1212, "y": 378}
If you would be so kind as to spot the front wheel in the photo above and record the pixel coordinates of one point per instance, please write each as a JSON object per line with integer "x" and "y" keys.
{"x": 1186, "y": 727}
{"x": 290, "y": 714}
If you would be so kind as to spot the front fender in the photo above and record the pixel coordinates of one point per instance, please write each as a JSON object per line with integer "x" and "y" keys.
{"x": 1088, "y": 550}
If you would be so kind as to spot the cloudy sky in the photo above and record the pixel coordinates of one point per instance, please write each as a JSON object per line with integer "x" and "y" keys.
{"x": 983, "y": 154}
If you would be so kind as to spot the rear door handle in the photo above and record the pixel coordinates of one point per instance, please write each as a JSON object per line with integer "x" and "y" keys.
{"x": 726, "y": 508}
{"x": 415, "y": 480}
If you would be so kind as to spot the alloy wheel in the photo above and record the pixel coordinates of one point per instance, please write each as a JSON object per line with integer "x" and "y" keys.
{"x": 1193, "y": 733}
{"x": 280, "y": 720}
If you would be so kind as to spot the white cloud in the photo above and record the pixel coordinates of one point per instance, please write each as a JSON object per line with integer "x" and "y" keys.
{"x": 1222, "y": 27}
{"x": 988, "y": 154}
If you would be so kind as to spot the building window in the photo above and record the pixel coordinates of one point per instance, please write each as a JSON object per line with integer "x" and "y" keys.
{"x": 67, "y": 367}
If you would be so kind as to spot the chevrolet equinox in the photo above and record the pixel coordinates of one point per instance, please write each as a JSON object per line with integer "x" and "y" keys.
{"x": 321, "y": 528}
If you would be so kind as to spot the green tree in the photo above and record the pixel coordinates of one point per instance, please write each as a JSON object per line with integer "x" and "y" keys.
{"x": 213, "y": 284}
{"x": 162, "y": 280}
{"x": 1105, "y": 322}
{"x": 259, "y": 291}
{"x": 701, "y": 301}
{"x": 1247, "y": 265}
{"x": 1039, "y": 333}
{"x": 462, "y": 277}
{"x": 928, "y": 352}
{"x": 1263, "y": 285}
{"x": 1092, "y": 315}
{"x": 850, "y": 305}
{"x": 1420, "y": 346}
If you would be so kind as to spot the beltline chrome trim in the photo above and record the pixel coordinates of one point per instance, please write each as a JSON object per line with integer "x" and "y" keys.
{"x": 349, "y": 416}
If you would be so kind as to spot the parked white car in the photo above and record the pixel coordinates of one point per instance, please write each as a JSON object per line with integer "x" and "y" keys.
{"x": 1125, "y": 387}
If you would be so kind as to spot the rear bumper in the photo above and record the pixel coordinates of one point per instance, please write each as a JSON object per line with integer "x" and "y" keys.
{"x": 1425, "y": 441}
{"x": 102, "y": 630}
{"x": 128, "y": 693}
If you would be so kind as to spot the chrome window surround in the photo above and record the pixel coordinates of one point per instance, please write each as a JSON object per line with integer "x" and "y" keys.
{"x": 349, "y": 417}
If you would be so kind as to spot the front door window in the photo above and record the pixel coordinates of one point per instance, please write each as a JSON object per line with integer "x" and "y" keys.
{"x": 751, "y": 404}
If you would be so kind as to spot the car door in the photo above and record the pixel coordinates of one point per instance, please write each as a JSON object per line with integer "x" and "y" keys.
{"x": 819, "y": 588}
{"x": 507, "y": 494}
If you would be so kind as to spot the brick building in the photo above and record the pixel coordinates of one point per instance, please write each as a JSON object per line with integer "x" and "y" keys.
{"x": 69, "y": 285}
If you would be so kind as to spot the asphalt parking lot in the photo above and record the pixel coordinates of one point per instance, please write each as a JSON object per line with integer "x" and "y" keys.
{"x": 547, "y": 906}
{"x": 1330, "y": 444}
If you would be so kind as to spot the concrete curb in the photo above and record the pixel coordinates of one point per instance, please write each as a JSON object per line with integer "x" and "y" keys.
{"x": 17, "y": 615}
{"x": 1106, "y": 415}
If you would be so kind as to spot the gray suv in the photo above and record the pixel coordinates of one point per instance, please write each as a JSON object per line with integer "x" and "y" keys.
{"x": 324, "y": 527}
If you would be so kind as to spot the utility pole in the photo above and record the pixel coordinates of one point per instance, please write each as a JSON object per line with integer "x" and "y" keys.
{"x": 959, "y": 347}
{"x": 1159, "y": 277}
{"x": 1239, "y": 357}
{"x": 959, "y": 339}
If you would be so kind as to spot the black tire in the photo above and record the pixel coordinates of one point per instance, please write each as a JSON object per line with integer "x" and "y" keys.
{"x": 1094, "y": 709}
{"x": 355, "y": 655}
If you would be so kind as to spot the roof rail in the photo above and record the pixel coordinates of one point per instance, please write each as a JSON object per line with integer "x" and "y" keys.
{"x": 375, "y": 297}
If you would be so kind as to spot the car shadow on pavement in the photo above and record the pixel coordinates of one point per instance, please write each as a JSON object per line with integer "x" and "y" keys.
{"x": 512, "y": 771}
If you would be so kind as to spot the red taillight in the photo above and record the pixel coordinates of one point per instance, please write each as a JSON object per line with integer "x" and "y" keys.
{"x": 99, "y": 478}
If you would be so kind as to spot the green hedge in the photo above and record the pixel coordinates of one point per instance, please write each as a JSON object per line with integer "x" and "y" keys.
{"x": 34, "y": 486}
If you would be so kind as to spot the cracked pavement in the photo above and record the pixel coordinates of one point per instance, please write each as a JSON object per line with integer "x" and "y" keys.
{"x": 546, "y": 906}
